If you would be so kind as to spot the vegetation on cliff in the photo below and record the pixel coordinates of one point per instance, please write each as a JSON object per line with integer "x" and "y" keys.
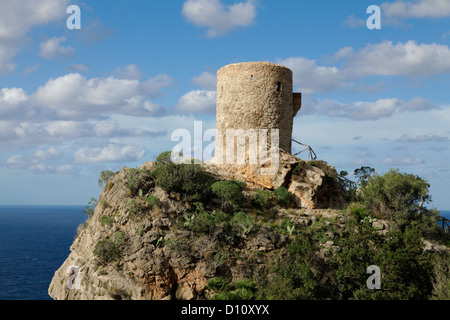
{"x": 182, "y": 232}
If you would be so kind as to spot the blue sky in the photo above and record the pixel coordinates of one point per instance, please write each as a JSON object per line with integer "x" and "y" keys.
{"x": 75, "y": 102}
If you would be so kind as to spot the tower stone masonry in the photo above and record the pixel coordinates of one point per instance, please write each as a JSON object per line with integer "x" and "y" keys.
{"x": 253, "y": 96}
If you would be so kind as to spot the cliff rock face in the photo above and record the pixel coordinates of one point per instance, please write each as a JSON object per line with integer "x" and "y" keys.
{"x": 135, "y": 247}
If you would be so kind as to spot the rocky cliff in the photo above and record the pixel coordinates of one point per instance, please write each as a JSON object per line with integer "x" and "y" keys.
{"x": 138, "y": 244}
{"x": 166, "y": 231}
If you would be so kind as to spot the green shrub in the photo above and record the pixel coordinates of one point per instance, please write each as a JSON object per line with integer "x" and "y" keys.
{"x": 133, "y": 207}
{"x": 240, "y": 183}
{"x": 105, "y": 177}
{"x": 119, "y": 238}
{"x": 287, "y": 227}
{"x": 293, "y": 278}
{"x": 239, "y": 290}
{"x": 204, "y": 222}
{"x": 106, "y": 221}
{"x": 218, "y": 284}
{"x": 244, "y": 222}
{"x": 89, "y": 210}
{"x": 137, "y": 179}
{"x": 189, "y": 180}
{"x": 245, "y": 283}
{"x": 243, "y": 294}
{"x": 263, "y": 198}
{"x": 109, "y": 185}
{"x": 223, "y": 296}
{"x": 229, "y": 192}
{"x": 153, "y": 200}
{"x": 395, "y": 192}
{"x": 400, "y": 197}
{"x": 405, "y": 267}
{"x": 358, "y": 210}
{"x": 283, "y": 195}
{"x": 107, "y": 251}
{"x": 441, "y": 277}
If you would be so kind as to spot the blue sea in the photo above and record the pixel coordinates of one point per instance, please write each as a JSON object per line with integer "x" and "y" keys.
{"x": 34, "y": 242}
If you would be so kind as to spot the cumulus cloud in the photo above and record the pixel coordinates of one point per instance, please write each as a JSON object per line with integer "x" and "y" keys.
{"x": 401, "y": 59}
{"x": 130, "y": 72}
{"x": 110, "y": 153}
{"x": 218, "y": 17}
{"x": 153, "y": 86}
{"x": 206, "y": 80}
{"x": 25, "y": 134}
{"x": 73, "y": 107}
{"x": 41, "y": 161}
{"x": 17, "y": 18}
{"x": 408, "y": 59}
{"x": 197, "y": 101}
{"x": 53, "y": 48}
{"x": 73, "y": 97}
{"x": 311, "y": 77}
{"x": 363, "y": 110}
{"x": 393, "y": 13}
{"x": 416, "y": 9}
{"x": 12, "y": 102}
{"x": 38, "y": 156}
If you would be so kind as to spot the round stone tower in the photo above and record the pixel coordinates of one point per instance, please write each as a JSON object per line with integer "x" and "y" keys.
{"x": 256, "y": 95}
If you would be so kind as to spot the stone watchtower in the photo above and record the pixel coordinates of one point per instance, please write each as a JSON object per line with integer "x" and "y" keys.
{"x": 256, "y": 95}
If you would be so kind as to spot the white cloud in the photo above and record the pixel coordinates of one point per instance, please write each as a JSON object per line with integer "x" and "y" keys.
{"x": 12, "y": 102}
{"x": 109, "y": 153}
{"x": 74, "y": 97}
{"x": 12, "y": 96}
{"x": 408, "y": 59}
{"x": 362, "y": 110}
{"x": 206, "y": 80}
{"x": 16, "y": 135}
{"x": 218, "y": 17}
{"x": 401, "y": 59}
{"x": 318, "y": 79}
{"x": 17, "y": 18}
{"x": 402, "y": 162}
{"x": 130, "y": 72}
{"x": 43, "y": 155}
{"x": 153, "y": 86}
{"x": 52, "y": 49}
{"x": 73, "y": 107}
{"x": 416, "y": 9}
{"x": 42, "y": 161}
{"x": 197, "y": 101}
{"x": 16, "y": 162}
